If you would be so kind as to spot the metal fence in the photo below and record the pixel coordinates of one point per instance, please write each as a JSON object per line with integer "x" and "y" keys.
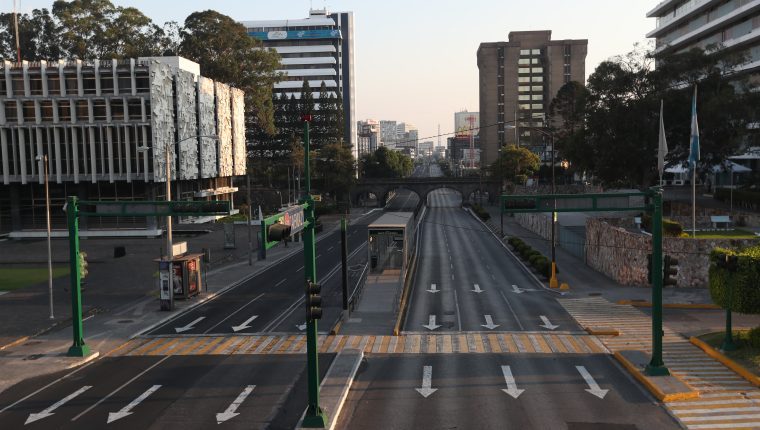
{"x": 573, "y": 240}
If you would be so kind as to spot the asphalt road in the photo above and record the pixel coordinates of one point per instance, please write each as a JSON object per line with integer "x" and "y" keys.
{"x": 467, "y": 281}
{"x": 274, "y": 298}
{"x": 258, "y": 391}
{"x": 465, "y": 391}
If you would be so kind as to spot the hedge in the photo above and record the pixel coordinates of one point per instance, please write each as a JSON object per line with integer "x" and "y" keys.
{"x": 480, "y": 212}
{"x": 537, "y": 260}
{"x": 745, "y": 280}
{"x": 669, "y": 228}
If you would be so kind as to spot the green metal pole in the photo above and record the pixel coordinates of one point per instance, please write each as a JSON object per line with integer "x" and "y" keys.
{"x": 78, "y": 348}
{"x": 656, "y": 366}
{"x": 728, "y": 340}
{"x": 315, "y": 417}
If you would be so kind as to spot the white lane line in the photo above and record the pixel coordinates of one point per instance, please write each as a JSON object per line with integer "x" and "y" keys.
{"x": 329, "y": 249}
{"x": 299, "y": 269}
{"x": 519, "y": 324}
{"x": 319, "y": 255}
{"x": 459, "y": 314}
{"x": 233, "y": 314}
{"x": 280, "y": 283}
{"x": 108, "y": 396}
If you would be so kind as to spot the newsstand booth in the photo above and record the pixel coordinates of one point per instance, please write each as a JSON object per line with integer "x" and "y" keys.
{"x": 186, "y": 277}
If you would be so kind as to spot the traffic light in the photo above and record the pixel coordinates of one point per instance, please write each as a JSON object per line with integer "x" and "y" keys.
{"x": 670, "y": 271}
{"x": 83, "y": 265}
{"x": 278, "y": 232}
{"x": 649, "y": 269}
{"x": 313, "y": 301}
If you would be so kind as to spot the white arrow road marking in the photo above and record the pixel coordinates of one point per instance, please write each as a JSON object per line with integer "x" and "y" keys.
{"x": 189, "y": 326}
{"x": 127, "y": 410}
{"x": 547, "y": 324}
{"x": 427, "y": 382}
{"x": 431, "y": 325}
{"x": 476, "y": 289}
{"x": 49, "y": 411}
{"x": 245, "y": 325}
{"x": 516, "y": 289}
{"x": 230, "y": 412}
{"x": 433, "y": 289}
{"x": 489, "y": 323}
{"x": 301, "y": 327}
{"x": 593, "y": 387}
{"x": 511, "y": 389}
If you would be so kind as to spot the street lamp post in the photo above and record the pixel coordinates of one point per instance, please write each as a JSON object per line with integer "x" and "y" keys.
{"x": 44, "y": 159}
{"x": 167, "y": 172}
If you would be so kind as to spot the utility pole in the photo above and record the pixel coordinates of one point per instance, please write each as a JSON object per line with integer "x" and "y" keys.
{"x": 656, "y": 366}
{"x": 169, "y": 246}
{"x": 344, "y": 262}
{"x": 553, "y": 283}
{"x": 250, "y": 210}
{"x": 78, "y": 348}
{"x": 314, "y": 417}
{"x": 44, "y": 159}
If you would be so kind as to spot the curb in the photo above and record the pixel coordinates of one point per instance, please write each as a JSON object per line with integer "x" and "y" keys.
{"x": 645, "y": 304}
{"x": 519, "y": 261}
{"x": 15, "y": 342}
{"x": 602, "y": 331}
{"x": 84, "y": 360}
{"x": 653, "y": 389}
{"x": 334, "y": 388}
{"x": 411, "y": 274}
{"x": 731, "y": 364}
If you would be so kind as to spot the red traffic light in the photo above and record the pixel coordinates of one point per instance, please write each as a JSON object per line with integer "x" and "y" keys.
{"x": 306, "y": 118}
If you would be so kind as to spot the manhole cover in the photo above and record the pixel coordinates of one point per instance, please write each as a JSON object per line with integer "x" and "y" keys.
{"x": 34, "y": 357}
{"x": 125, "y": 321}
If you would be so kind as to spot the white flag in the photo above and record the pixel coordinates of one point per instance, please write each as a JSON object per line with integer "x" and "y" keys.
{"x": 662, "y": 147}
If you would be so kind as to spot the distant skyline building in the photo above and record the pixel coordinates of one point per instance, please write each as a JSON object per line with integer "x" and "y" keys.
{"x": 733, "y": 25}
{"x": 462, "y": 123}
{"x": 319, "y": 49}
{"x": 388, "y": 133}
{"x": 517, "y": 81}
{"x": 105, "y": 127}
{"x": 369, "y": 136}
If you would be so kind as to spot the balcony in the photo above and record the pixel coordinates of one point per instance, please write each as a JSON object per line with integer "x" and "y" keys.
{"x": 690, "y": 8}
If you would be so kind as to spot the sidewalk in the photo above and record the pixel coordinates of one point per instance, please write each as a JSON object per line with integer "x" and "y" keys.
{"x": 119, "y": 300}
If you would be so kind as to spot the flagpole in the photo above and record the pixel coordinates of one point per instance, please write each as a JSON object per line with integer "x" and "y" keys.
{"x": 694, "y": 202}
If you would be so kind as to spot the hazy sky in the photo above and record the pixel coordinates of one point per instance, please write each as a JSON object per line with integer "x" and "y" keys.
{"x": 416, "y": 59}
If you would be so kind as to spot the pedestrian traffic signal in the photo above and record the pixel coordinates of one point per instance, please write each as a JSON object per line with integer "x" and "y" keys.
{"x": 83, "y": 265}
{"x": 649, "y": 269}
{"x": 670, "y": 271}
{"x": 313, "y": 301}
{"x": 278, "y": 232}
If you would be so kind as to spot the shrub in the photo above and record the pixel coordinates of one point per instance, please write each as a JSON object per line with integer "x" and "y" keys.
{"x": 480, "y": 212}
{"x": 745, "y": 297}
{"x": 669, "y": 227}
{"x": 753, "y": 337}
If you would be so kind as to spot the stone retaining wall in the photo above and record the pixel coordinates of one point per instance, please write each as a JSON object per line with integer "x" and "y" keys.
{"x": 537, "y": 223}
{"x": 622, "y": 255}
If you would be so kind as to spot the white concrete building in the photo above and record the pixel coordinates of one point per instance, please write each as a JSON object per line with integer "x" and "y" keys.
{"x": 105, "y": 127}
{"x": 319, "y": 49}
{"x": 731, "y": 24}
{"x": 369, "y": 136}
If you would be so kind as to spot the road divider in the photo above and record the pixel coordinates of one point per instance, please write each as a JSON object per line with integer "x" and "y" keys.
{"x": 663, "y": 388}
{"x": 647, "y": 304}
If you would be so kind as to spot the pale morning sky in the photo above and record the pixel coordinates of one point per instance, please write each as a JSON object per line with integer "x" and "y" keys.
{"x": 416, "y": 59}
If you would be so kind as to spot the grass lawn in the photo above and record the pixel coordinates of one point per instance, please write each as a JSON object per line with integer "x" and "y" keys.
{"x": 746, "y": 355}
{"x": 12, "y": 278}
{"x": 725, "y": 234}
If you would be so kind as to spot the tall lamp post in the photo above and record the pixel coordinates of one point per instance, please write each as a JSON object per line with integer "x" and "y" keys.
{"x": 44, "y": 159}
{"x": 167, "y": 172}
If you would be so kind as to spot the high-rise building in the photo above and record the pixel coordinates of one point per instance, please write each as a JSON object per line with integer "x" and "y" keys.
{"x": 466, "y": 123}
{"x": 518, "y": 80}
{"x": 724, "y": 24}
{"x": 105, "y": 128}
{"x": 388, "y": 133}
{"x": 319, "y": 49}
{"x": 369, "y": 136}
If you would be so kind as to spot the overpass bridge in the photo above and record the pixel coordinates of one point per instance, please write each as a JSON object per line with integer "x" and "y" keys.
{"x": 380, "y": 187}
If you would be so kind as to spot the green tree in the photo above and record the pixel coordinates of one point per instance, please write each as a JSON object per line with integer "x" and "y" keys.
{"x": 335, "y": 165}
{"x": 385, "y": 163}
{"x": 618, "y": 140}
{"x": 227, "y": 53}
{"x": 514, "y": 163}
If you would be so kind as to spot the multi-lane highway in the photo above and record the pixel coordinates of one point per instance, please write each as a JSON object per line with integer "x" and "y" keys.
{"x": 466, "y": 281}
